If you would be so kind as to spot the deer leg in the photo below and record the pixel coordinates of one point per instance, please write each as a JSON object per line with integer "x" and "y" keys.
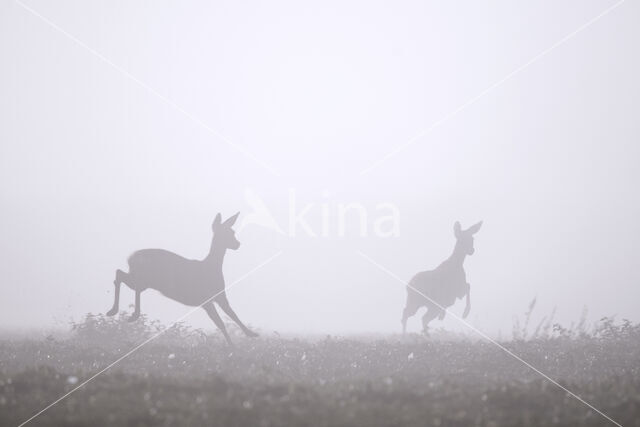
{"x": 411, "y": 307}
{"x": 116, "y": 300}
{"x": 408, "y": 311}
{"x": 136, "y": 312}
{"x": 223, "y": 302}
{"x": 213, "y": 314}
{"x": 468, "y": 306}
{"x": 432, "y": 313}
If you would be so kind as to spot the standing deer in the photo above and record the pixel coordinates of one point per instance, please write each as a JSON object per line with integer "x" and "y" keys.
{"x": 442, "y": 285}
{"x": 189, "y": 281}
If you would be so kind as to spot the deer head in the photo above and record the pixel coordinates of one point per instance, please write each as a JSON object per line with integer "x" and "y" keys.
{"x": 465, "y": 237}
{"x": 223, "y": 234}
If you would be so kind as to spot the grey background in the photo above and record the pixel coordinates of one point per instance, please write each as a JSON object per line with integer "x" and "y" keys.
{"x": 93, "y": 167}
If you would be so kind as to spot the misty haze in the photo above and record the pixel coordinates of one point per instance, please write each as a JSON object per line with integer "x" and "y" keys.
{"x": 319, "y": 213}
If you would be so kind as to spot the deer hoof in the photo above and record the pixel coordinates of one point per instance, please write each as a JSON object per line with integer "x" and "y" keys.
{"x": 134, "y": 317}
{"x": 112, "y": 312}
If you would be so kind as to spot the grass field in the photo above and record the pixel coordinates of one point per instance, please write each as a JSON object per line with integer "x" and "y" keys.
{"x": 185, "y": 377}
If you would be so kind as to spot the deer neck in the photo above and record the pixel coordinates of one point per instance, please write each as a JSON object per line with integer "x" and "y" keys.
{"x": 216, "y": 254}
{"x": 458, "y": 255}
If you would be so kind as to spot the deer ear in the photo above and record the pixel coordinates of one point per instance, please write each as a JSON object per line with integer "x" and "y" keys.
{"x": 232, "y": 220}
{"x": 456, "y": 229}
{"x": 474, "y": 228}
{"x": 216, "y": 221}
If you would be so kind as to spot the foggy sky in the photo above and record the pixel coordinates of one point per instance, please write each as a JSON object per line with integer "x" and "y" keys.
{"x": 93, "y": 166}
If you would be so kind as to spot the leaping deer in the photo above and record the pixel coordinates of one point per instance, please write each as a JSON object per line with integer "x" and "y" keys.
{"x": 189, "y": 281}
{"x": 444, "y": 284}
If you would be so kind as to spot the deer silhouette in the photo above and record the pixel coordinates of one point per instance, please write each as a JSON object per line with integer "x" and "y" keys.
{"x": 444, "y": 284}
{"x": 191, "y": 282}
